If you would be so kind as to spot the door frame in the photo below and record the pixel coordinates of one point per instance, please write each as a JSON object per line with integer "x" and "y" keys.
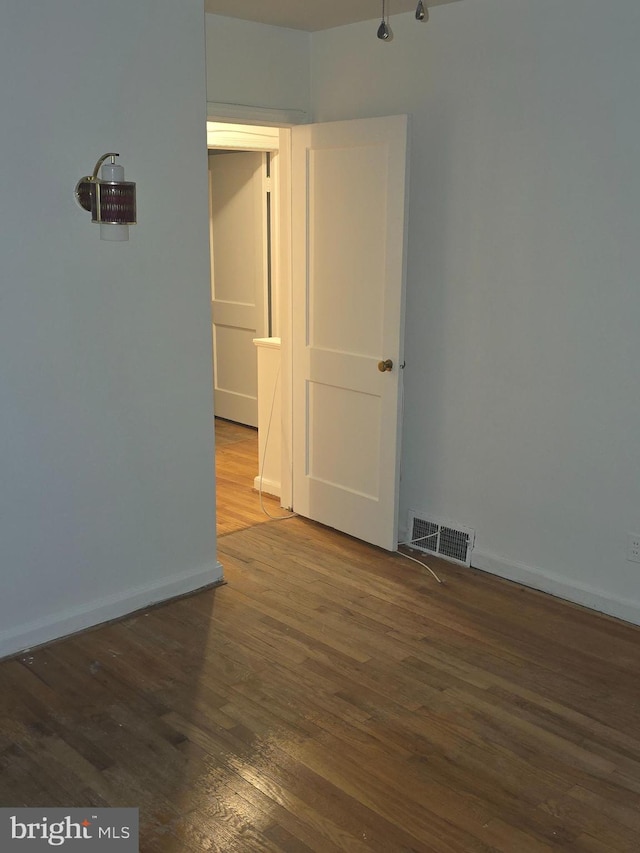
{"x": 275, "y": 139}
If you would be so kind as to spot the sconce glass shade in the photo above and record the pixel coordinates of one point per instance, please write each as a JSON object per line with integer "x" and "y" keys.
{"x": 110, "y": 199}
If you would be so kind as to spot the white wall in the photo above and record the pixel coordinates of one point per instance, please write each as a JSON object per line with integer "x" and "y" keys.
{"x": 523, "y": 351}
{"x": 254, "y": 65}
{"x": 106, "y": 440}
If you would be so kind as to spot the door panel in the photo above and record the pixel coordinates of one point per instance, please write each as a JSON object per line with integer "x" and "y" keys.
{"x": 337, "y": 456}
{"x": 347, "y": 245}
{"x": 238, "y": 280}
{"x": 348, "y": 311}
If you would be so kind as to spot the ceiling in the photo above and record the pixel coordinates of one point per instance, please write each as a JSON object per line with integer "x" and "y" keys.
{"x": 311, "y": 15}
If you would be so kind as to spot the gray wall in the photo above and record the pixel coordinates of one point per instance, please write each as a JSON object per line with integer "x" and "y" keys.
{"x": 251, "y": 64}
{"x": 106, "y": 439}
{"x": 522, "y": 404}
{"x": 522, "y": 401}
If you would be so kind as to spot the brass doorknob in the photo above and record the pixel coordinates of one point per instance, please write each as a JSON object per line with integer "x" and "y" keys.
{"x": 385, "y": 366}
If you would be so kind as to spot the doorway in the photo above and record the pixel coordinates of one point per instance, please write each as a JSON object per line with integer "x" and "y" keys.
{"x": 342, "y": 230}
{"x": 250, "y": 272}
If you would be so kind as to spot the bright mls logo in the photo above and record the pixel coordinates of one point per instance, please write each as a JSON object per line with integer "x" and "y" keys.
{"x": 69, "y": 829}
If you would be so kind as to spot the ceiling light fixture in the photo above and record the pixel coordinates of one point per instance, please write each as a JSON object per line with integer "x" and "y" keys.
{"x": 384, "y": 30}
{"x": 422, "y": 12}
{"x": 385, "y": 33}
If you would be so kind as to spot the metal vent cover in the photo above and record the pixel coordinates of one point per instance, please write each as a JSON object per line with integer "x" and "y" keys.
{"x": 446, "y": 540}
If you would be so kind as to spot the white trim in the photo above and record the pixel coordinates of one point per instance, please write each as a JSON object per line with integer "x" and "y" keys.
{"x": 587, "y": 596}
{"x": 101, "y": 610}
{"x": 283, "y": 309}
{"x": 269, "y": 487}
{"x": 268, "y": 343}
{"x": 248, "y": 114}
{"x": 242, "y": 137}
{"x": 277, "y": 140}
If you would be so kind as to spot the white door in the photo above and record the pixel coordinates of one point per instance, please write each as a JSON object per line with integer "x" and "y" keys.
{"x": 238, "y": 280}
{"x": 348, "y": 229}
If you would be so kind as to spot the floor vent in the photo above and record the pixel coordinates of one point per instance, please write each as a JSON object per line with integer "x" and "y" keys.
{"x": 451, "y": 542}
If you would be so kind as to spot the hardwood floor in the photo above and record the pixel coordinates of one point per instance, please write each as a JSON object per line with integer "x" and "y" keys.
{"x": 237, "y": 505}
{"x": 332, "y": 697}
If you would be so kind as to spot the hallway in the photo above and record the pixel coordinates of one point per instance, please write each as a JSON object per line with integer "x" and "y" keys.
{"x": 237, "y": 503}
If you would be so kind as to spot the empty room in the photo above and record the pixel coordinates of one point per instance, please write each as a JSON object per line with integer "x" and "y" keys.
{"x": 419, "y": 632}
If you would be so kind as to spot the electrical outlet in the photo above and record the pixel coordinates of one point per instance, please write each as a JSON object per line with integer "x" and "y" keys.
{"x": 633, "y": 547}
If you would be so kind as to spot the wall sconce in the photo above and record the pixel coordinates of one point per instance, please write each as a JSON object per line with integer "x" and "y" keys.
{"x": 110, "y": 199}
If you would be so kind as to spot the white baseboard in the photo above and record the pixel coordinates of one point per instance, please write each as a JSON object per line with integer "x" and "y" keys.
{"x": 269, "y": 487}
{"x": 587, "y": 596}
{"x": 95, "y": 612}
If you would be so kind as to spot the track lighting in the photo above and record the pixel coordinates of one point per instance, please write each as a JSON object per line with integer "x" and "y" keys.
{"x": 385, "y": 32}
